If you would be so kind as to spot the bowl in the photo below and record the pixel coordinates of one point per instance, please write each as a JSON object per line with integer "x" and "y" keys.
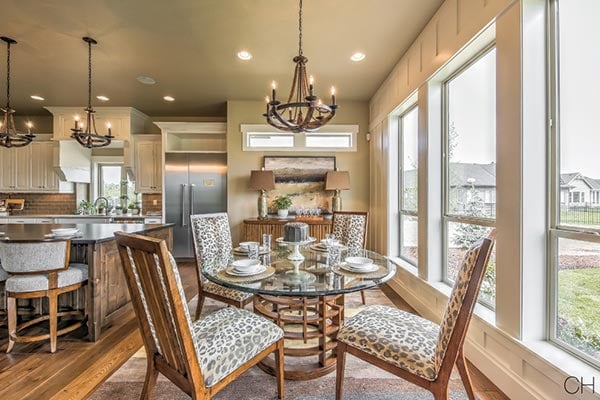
{"x": 358, "y": 262}
{"x": 245, "y": 265}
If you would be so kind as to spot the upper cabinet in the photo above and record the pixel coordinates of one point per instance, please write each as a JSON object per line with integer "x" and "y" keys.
{"x": 31, "y": 169}
{"x": 194, "y": 137}
{"x": 148, "y": 164}
{"x": 125, "y": 121}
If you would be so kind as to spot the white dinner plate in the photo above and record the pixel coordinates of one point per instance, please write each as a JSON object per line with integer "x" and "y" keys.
{"x": 235, "y": 272}
{"x": 361, "y": 270}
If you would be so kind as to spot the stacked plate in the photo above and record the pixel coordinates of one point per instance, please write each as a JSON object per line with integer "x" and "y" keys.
{"x": 243, "y": 248}
{"x": 359, "y": 265}
{"x": 246, "y": 267}
{"x": 65, "y": 232}
{"x": 326, "y": 244}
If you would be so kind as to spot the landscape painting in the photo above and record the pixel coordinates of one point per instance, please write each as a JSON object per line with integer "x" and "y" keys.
{"x": 302, "y": 178}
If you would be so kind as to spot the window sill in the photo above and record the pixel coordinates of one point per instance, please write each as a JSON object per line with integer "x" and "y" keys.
{"x": 405, "y": 265}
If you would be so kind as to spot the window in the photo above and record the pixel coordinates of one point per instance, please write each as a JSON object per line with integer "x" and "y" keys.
{"x": 328, "y": 138}
{"x": 113, "y": 183}
{"x": 574, "y": 244}
{"x": 408, "y": 165}
{"x": 469, "y": 206}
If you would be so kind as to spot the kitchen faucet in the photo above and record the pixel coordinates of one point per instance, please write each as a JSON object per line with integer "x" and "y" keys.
{"x": 107, "y": 204}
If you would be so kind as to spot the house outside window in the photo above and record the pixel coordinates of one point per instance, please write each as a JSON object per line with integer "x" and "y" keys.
{"x": 574, "y": 251}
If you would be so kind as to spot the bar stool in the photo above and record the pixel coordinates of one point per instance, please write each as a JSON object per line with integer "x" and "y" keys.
{"x": 40, "y": 269}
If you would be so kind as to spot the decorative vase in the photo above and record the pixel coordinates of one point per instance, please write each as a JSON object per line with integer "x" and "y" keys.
{"x": 282, "y": 213}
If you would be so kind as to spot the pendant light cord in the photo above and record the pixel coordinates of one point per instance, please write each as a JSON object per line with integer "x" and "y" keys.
{"x": 8, "y": 76}
{"x": 300, "y": 29}
{"x": 89, "y": 74}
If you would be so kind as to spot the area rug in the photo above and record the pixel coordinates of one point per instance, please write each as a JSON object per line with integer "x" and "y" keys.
{"x": 362, "y": 380}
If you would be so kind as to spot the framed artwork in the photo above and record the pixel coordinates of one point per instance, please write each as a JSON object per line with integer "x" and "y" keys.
{"x": 302, "y": 178}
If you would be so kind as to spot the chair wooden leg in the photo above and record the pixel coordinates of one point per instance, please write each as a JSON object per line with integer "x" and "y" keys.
{"x": 12, "y": 322}
{"x": 150, "y": 382}
{"x": 341, "y": 365}
{"x": 461, "y": 365}
{"x": 440, "y": 391}
{"x": 53, "y": 320}
{"x": 199, "y": 306}
{"x": 362, "y": 297}
{"x": 279, "y": 369}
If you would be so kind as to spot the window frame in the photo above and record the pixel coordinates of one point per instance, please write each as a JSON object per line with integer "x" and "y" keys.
{"x": 446, "y": 216}
{"x": 401, "y": 210}
{"x": 556, "y": 230}
{"x": 124, "y": 177}
{"x": 299, "y": 139}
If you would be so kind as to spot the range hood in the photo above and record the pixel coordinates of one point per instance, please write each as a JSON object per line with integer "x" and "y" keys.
{"x": 72, "y": 162}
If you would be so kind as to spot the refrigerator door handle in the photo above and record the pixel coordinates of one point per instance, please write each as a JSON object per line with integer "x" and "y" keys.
{"x": 183, "y": 218}
{"x": 192, "y": 186}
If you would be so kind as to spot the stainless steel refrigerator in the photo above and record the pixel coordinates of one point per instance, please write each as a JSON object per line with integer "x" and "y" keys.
{"x": 195, "y": 183}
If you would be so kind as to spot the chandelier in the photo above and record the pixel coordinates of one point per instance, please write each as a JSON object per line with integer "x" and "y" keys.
{"x": 87, "y": 135}
{"x": 9, "y": 135}
{"x": 303, "y": 112}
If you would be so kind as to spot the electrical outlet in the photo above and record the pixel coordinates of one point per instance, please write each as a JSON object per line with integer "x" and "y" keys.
{"x": 154, "y": 202}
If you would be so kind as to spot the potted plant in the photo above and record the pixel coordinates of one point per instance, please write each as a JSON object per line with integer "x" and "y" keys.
{"x": 85, "y": 208}
{"x": 118, "y": 210}
{"x": 134, "y": 208}
{"x": 282, "y": 204}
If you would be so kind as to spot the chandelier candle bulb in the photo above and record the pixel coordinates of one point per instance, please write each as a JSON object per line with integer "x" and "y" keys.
{"x": 311, "y": 80}
{"x": 273, "y": 87}
{"x": 109, "y": 126}
{"x": 333, "y": 95}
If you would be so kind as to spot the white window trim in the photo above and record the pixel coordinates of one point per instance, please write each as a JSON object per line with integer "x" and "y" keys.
{"x": 299, "y": 138}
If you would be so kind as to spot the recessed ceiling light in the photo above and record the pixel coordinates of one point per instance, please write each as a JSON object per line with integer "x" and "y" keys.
{"x": 102, "y": 98}
{"x": 358, "y": 56}
{"x": 244, "y": 55}
{"x": 146, "y": 80}
{"x": 169, "y": 98}
{"x": 36, "y": 97}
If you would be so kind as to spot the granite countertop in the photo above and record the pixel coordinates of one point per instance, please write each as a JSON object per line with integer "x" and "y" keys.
{"x": 124, "y": 216}
{"x": 90, "y": 233}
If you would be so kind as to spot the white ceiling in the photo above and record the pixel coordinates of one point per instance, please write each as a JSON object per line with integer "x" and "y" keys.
{"x": 190, "y": 46}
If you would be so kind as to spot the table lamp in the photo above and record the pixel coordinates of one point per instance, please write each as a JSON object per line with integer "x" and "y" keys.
{"x": 337, "y": 180}
{"x": 262, "y": 180}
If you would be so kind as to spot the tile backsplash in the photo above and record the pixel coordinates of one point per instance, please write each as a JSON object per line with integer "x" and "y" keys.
{"x": 148, "y": 203}
{"x": 44, "y": 203}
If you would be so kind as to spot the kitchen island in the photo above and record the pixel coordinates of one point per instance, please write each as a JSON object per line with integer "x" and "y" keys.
{"x": 107, "y": 294}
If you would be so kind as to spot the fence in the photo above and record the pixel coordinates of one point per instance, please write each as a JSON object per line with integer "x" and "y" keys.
{"x": 580, "y": 215}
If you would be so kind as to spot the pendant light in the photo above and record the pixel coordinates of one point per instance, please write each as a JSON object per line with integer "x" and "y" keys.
{"x": 88, "y": 136}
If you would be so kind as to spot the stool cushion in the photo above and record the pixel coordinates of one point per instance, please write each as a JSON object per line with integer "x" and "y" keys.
{"x": 76, "y": 273}
{"x": 227, "y": 338}
{"x": 394, "y": 336}
{"x": 3, "y": 274}
{"x": 213, "y": 288}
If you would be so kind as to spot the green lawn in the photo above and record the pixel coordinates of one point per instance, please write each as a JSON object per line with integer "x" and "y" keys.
{"x": 579, "y": 306}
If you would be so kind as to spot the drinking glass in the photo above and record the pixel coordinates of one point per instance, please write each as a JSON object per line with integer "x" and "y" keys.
{"x": 253, "y": 250}
{"x": 267, "y": 238}
{"x": 333, "y": 255}
{"x": 329, "y": 239}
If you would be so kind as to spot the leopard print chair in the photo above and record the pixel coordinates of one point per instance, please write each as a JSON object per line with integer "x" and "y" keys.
{"x": 201, "y": 357}
{"x": 350, "y": 228}
{"x": 212, "y": 242}
{"x": 412, "y": 347}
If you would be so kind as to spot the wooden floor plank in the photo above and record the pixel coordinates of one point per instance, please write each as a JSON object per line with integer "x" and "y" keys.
{"x": 79, "y": 367}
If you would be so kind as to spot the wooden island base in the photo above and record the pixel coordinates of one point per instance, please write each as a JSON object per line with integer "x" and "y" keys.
{"x": 310, "y": 325}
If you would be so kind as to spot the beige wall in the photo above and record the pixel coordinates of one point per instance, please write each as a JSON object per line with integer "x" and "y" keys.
{"x": 242, "y": 201}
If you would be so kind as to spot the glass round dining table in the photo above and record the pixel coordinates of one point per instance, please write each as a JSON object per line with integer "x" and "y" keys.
{"x": 305, "y": 298}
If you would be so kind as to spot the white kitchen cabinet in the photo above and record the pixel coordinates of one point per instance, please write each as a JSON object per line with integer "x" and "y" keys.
{"x": 16, "y": 169}
{"x": 148, "y": 164}
{"x": 43, "y": 177}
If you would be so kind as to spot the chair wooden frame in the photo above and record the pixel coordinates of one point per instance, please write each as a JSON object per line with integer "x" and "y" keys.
{"x": 178, "y": 362}
{"x": 454, "y": 352}
{"x": 202, "y": 294}
{"x": 52, "y": 294}
{"x": 366, "y": 214}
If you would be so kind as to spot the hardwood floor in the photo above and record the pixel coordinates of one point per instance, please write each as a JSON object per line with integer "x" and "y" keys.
{"x": 79, "y": 367}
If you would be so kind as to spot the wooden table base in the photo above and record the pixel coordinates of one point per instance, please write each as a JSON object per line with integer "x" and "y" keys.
{"x": 312, "y": 321}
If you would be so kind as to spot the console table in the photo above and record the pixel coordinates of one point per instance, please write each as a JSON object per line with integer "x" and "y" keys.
{"x": 254, "y": 227}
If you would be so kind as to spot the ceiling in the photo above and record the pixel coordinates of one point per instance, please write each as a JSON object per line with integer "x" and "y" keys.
{"x": 189, "y": 47}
